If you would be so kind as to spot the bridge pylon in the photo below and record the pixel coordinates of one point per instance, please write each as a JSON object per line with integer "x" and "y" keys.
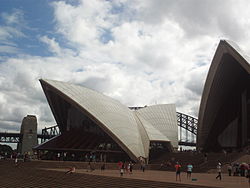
{"x": 29, "y": 135}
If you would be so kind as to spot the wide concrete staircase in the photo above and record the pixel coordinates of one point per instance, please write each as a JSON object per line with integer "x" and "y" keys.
{"x": 196, "y": 159}
{"x": 213, "y": 159}
{"x": 184, "y": 158}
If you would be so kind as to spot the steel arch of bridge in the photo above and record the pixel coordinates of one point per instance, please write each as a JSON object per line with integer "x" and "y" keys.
{"x": 49, "y": 132}
{"x": 187, "y": 126}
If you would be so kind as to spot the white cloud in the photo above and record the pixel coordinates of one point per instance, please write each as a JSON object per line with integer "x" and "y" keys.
{"x": 139, "y": 52}
{"x": 15, "y": 17}
{"x": 8, "y": 49}
{"x": 10, "y": 30}
{"x": 7, "y": 32}
{"x": 83, "y": 24}
{"x": 52, "y": 44}
{"x": 209, "y": 17}
{"x": 55, "y": 47}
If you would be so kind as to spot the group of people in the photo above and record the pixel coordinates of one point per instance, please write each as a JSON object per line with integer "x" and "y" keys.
{"x": 92, "y": 156}
{"x": 178, "y": 171}
{"x": 17, "y": 158}
{"x": 219, "y": 167}
{"x": 125, "y": 167}
{"x": 235, "y": 169}
{"x": 238, "y": 169}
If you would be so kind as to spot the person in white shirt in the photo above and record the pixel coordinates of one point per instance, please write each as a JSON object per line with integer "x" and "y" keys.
{"x": 219, "y": 171}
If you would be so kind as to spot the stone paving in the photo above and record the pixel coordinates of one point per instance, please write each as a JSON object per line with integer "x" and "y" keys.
{"x": 37, "y": 174}
{"x": 202, "y": 179}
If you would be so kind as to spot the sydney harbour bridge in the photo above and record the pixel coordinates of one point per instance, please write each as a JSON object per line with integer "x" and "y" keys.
{"x": 187, "y": 129}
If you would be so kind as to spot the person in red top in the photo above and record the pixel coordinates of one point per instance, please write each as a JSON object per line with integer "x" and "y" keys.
{"x": 178, "y": 170}
{"x": 120, "y": 164}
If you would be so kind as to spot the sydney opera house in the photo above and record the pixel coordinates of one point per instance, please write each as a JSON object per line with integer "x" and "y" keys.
{"x": 92, "y": 122}
{"x": 224, "y": 114}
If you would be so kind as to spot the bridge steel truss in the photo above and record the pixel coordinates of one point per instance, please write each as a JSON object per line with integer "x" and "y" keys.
{"x": 187, "y": 129}
{"x": 48, "y": 133}
{"x": 10, "y": 137}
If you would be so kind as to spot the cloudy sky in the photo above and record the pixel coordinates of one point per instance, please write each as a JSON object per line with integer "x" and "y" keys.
{"x": 140, "y": 52}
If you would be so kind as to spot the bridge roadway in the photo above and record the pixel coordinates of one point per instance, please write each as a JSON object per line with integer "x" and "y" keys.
{"x": 16, "y": 137}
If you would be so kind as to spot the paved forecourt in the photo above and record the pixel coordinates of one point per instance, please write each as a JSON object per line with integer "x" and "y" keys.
{"x": 52, "y": 174}
{"x": 202, "y": 179}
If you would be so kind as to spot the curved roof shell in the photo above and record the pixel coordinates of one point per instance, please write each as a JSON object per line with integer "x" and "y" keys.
{"x": 162, "y": 122}
{"x": 130, "y": 131}
{"x": 221, "y": 77}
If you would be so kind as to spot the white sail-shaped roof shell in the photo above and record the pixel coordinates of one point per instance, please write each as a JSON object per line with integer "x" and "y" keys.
{"x": 131, "y": 131}
{"x": 162, "y": 119}
{"x": 152, "y": 133}
{"x": 216, "y": 86}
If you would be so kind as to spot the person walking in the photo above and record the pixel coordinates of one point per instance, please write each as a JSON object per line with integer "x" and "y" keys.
{"x": 120, "y": 163}
{"x": 130, "y": 167}
{"x": 121, "y": 167}
{"x": 143, "y": 166}
{"x": 229, "y": 169}
{"x": 90, "y": 167}
{"x": 103, "y": 167}
{"x": 205, "y": 157}
{"x": 189, "y": 170}
{"x": 248, "y": 175}
{"x": 122, "y": 170}
{"x": 178, "y": 170}
{"x": 219, "y": 171}
{"x": 16, "y": 162}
